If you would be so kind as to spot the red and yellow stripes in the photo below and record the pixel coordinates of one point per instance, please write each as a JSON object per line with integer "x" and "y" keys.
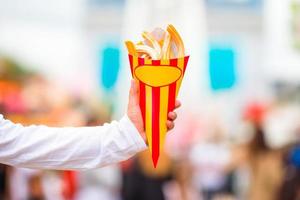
{"x": 163, "y": 115}
{"x": 156, "y": 102}
{"x": 149, "y": 113}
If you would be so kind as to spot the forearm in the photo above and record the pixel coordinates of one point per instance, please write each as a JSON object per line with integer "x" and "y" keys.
{"x": 68, "y": 148}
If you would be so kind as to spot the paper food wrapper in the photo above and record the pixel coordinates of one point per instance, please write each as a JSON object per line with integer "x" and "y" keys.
{"x": 159, "y": 84}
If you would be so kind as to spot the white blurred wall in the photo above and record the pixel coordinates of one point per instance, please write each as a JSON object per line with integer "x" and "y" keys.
{"x": 282, "y": 60}
{"x": 48, "y": 36}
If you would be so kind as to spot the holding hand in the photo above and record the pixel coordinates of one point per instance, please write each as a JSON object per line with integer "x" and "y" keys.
{"x": 135, "y": 115}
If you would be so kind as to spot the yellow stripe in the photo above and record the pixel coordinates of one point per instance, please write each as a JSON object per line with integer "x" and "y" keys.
{"x": 148, "y": 61}
{"x": 180, "y": 64}
{"x": 163, "y": 114}
{"x": 163, "y": 110}
{"x": 165, "y": 62}
{"x": 134, "y": 65}
{"x": 148, "y": 116}
{"x": 148, "y": 111}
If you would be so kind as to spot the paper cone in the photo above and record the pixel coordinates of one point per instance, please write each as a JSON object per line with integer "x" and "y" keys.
{"x": 159, "y": 82}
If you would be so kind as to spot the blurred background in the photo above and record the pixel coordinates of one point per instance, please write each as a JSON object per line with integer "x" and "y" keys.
{"x": 64, "y": 63}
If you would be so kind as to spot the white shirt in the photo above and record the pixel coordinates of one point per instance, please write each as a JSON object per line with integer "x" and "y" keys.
{"x": 68, "y": 148}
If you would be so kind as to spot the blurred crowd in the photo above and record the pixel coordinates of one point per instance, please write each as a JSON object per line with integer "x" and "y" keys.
{"x": 258, "y": 162}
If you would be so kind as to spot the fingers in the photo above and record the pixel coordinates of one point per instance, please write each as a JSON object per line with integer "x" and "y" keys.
{"x": 170, "y": 125}
{"x": 177, "y": 104}
{"x": 172, "y": 116}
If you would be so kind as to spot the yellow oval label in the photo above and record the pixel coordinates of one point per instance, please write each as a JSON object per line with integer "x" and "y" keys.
{"x": 157, "y": 76}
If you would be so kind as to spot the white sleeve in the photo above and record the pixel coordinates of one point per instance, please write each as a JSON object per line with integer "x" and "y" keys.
{"x": 68, "y": 148}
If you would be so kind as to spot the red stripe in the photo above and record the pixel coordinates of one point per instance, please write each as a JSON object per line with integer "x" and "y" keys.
{"x": 131, "y": 64}
{"x": 142, "y": 93}
{"x": 186, "y": 59}
{"x": 173, "y": 62}
{"x": 141, "y": 61}
{"x": 172, "y": 89}
{"x": 155, "y": 62}
{"x": 172, "y": 97}
{"x": 143, "y": 101}
{"x": 155, "y": 124}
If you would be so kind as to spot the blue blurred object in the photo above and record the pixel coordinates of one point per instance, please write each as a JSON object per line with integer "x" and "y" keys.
{"x": 295, "y": 156}
{"x": 110, "y": 66}
{"x": 105, "y": 2}
{"x": 222, "y": 67}
{"x": 234, "y": 3}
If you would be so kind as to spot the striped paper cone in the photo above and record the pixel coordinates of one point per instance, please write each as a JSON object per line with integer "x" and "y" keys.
{"x": 159, "y": 82}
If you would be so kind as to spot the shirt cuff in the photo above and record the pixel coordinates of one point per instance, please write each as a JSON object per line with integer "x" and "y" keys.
{"x": 133, "y": 133}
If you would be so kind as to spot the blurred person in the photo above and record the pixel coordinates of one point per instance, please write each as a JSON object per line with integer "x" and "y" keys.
{"x": 142, "y": 181}
{"x": 209, "y": 159}
{"x": 290, "y": 186}
{"x": 264, "y": 163}
{"x": 3, "y": 182}
{"x": 76, "y": 148}
{"x": 35, "y": 188}
{"x": 25, "y": 184}
{"x": 53, "y": 185}
{"x": 48, "y": 104}
{"x": 182, "y": 187}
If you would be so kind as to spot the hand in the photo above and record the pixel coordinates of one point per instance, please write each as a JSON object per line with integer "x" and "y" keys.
{"x": 135, "y": 115}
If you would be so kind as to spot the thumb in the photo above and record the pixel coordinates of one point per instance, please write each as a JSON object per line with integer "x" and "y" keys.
{"x": 134, "y": 93}
{"x": 133, "y": 110}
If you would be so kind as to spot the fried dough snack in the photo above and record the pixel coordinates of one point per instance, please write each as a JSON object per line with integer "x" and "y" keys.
{"x": 159, "y": 44}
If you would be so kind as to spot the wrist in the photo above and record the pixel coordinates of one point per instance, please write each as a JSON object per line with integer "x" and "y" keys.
{"x": 139, "y": 126}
